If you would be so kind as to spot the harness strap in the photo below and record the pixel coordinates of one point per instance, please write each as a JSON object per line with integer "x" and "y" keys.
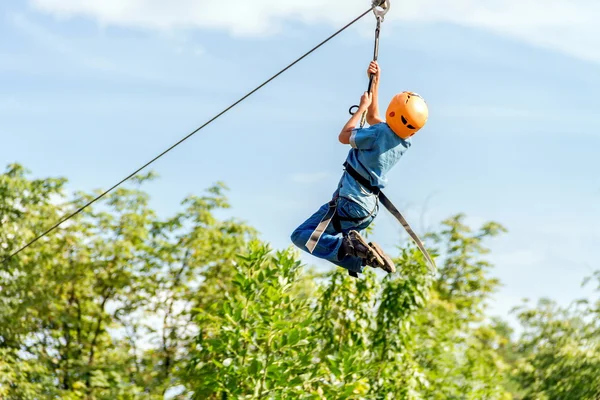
{"x": 394, "y": 211}
{"x": 323, "y": 224}
{"x": 361, "y": 179}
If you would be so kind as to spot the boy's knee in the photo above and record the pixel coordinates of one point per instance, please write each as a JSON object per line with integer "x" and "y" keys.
{"x": 295, "y": 237}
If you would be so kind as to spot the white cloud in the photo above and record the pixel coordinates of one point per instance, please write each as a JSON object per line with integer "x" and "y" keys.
{"x": 567, "y": 26}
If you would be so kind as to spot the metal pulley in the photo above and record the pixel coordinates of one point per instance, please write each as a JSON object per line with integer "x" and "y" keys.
{"x": 380, "y": 8}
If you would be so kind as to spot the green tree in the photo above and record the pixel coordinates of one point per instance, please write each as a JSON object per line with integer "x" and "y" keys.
{"x": 119, "y": 303}
{"x": 79, "y": 308}
{"x": 560, "y": 349}
{"x": 457, "y": 347}
{"x": 257, "y": 339}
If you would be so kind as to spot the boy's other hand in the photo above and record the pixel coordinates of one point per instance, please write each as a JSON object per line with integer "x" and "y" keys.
{"x": 365, "y": 100}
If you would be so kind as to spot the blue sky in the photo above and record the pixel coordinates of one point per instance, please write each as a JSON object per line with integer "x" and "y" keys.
{"x": 92, "y": 90}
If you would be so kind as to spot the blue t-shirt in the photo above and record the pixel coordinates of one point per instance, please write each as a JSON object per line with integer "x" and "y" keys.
{"x": 378, "y": 149}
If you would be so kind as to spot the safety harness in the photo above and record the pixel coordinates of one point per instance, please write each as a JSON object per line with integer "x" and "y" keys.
{"x": 380, "y": 8}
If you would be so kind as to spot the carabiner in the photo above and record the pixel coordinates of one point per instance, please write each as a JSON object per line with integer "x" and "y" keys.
{"x": 380, "y": 8}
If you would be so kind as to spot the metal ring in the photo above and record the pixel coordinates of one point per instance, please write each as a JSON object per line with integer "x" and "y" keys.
{"x": 380, "y": 8}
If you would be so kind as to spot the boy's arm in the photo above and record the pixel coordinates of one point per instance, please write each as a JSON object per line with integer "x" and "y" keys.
{"x": 346, "y": 132}
{"x": 373, "y": 111}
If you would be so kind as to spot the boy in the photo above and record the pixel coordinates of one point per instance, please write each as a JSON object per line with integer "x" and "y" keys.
{"x": 375, "y": 150}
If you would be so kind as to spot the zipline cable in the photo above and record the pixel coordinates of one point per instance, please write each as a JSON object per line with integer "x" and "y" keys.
{"x": 189, "y": 135}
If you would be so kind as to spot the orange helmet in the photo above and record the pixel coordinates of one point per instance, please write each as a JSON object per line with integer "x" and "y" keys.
{"x": 406, "y": 114}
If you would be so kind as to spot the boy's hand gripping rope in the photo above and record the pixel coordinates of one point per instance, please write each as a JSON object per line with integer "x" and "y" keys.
{"x": 380, "y": 8}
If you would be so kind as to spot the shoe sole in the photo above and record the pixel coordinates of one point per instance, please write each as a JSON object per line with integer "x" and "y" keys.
{"x": 387, "y": 261}
{"x": 372, "y": 253}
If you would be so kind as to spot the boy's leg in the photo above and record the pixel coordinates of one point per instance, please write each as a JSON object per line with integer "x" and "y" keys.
{"x": 329, "y": 244}
{"x": 350, "y": 251}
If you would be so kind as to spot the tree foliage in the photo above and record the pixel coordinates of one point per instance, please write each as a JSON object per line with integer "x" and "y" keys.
{"x": 121, "y": 303}
{"x": 103, "y": 306}
{"x": 560, "y": 348}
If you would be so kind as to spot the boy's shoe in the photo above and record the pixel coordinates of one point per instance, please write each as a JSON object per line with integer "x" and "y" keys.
{"x": 354, "y": 244}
